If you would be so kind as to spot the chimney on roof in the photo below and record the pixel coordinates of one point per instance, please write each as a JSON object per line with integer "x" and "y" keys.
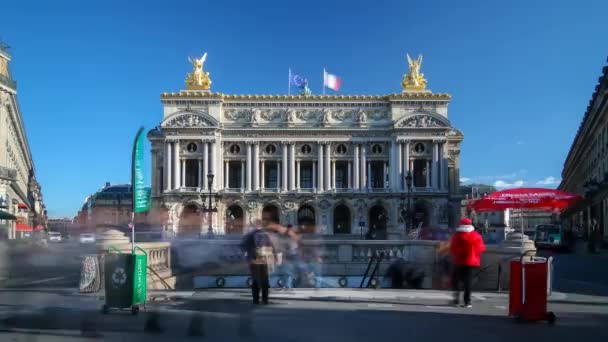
{"x": 107, "y": 184}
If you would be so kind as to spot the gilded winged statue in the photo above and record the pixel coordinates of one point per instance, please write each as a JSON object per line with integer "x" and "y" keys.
{"x": 414, "y": 80}
{"x": 198, "y": 79}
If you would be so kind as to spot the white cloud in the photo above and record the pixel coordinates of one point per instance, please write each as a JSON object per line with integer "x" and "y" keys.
{"x": 503, "y": 184}
{"x": 548, "y": 181}
{"x": 464, "y": 180}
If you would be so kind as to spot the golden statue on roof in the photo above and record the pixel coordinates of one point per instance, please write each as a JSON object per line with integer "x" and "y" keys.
{"x": 414, "y": 80}
{"x": 198, "y": 79}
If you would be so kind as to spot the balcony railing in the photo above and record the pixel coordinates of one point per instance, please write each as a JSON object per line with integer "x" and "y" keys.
{"x": 7, "y": 173}
{"x": 9, "y": 82}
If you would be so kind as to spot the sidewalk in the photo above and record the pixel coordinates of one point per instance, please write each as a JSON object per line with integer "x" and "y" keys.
{"x": 366, "y": 295}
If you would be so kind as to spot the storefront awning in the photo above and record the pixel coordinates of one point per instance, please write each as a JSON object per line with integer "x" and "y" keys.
{"x": 22, "y": 205}
{"x": 20, "y": 227}
{"x": 7, "y": 216}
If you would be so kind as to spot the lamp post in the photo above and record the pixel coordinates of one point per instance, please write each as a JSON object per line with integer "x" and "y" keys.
{"x": 408, "y": 182}
{"x": 209, "y": 209}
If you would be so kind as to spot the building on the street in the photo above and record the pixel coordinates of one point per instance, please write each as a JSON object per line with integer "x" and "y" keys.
{"x": 338, "y": 163}
{"x": 109, "y": 206}
{"x": 22, "y": 210}
{"x": 62, "y": 225}
{"x": 529, "y": 219}
{"x": 586, "y": 166}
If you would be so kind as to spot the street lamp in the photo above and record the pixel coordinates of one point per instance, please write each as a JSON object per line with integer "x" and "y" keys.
{"x": 408, "y": 182}
{"x": 209, "y": 209}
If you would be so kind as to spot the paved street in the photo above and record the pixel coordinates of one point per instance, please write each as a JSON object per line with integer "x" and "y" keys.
{"x": 40, "y": 302}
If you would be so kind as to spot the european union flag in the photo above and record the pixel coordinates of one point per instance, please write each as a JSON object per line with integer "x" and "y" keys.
{"x": 298, "y": 81}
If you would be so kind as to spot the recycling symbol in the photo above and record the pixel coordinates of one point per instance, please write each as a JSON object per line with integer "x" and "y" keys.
{"x": 119, "y": 277}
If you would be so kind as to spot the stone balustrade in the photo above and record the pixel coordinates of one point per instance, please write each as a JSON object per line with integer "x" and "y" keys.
{"x": 349, "y": 258}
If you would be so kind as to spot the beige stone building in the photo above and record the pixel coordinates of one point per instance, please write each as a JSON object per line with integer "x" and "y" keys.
{"x": 338, "y": 163}
{"x": 21, "y": 205}
{"x": 586, "y": 166}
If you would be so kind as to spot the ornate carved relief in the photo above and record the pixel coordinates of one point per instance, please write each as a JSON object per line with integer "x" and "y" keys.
{"x": 233, "y": 114}
{"x": 305, "y": 115}
{"x": 288, "y": 205}
{"x": 270, "y": 115}
{"x": 421, "y": 121}
{"x": 360, "y": 117}
{"x": 324, "y": 116}
{"x": 339, "y": 115}
{"x": 378, "y": 115}
{"x": 324, "y": 205}
{"x": 189, "y": 121}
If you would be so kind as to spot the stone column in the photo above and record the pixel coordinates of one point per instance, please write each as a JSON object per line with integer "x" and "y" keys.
{"x": 243, "y": 178}
{"x": 200, "y": 174}
{"x": 256, "y": 167}
{"x": 168, "y": 179}
{"x": 285, "y": 168}
{"x": 435, "y": 169}
{"x": 205, "y": 164}
{"x": 444, "y": 167}
{"x": 428, "y": 174}
{"x": 292, "y": 167}
{"x": 178, "y": 172}
{"x": 327, "y": 170}
{"x": 356, "y": 165}
{"x": 363, "y": 181}
{"x": 227, "y": 174}
{"x": 279, "y": 176}
{"x": 384, "y": 184}
{"x": 314, "y": 176}
{"x": 183, "y": 172}
{"x": 263, "y": 175}
{"x": 320, "y": 168}
{"x": 406, "y": 165}
{"x": 212, "y": 168}
{"x": 369, "y": 175}
{"x": 333, "y": 174}
{"x": 298, "y": 172}
{"x": 248, "y": 177}
{"x": 350, "y": 178}
{"x": 399, "y": 174}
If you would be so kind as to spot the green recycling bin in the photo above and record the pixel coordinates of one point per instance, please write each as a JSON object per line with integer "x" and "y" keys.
{"x": 125, "y": 280}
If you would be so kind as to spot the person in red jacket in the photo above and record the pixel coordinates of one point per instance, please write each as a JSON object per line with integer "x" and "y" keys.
{"x": 466, "y": 247}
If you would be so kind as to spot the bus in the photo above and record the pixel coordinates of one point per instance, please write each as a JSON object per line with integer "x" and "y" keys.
{"x": 550, "y": 236}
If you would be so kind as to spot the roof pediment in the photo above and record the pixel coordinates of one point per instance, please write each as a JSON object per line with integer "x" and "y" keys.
{"x": 423, "y": 119}
{"x": 189, "y": 118}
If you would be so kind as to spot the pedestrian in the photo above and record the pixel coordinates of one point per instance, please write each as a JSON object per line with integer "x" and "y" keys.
{"x": 289, "y": 250}
{"x": 260, "y": 253}
{"x": 466, "y": 246}
{"x": 594, "y": 237}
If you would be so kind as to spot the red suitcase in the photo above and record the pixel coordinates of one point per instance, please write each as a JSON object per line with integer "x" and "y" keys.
{"x": 530, "y": 287}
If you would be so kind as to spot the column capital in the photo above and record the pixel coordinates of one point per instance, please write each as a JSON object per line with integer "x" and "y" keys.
{"x": 404, "y": 141}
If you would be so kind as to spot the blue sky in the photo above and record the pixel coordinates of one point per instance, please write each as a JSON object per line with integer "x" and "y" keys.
{"x": 89, "y": 73}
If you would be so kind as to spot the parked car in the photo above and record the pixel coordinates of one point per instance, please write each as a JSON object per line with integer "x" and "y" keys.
{"x": 87, "y": 238}
{"x": 54, "y": 237}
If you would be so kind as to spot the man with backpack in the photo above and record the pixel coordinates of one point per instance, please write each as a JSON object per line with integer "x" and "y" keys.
{"x": 260, "y": 252}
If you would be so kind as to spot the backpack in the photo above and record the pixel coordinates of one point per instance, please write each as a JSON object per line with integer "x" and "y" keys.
{"x": 263, "y": 249}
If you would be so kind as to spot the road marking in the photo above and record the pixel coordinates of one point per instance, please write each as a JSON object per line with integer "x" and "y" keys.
{"x": 440, "y": 307}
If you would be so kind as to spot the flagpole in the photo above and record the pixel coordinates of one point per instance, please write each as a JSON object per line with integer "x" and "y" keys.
{"x": 323, "y": 81}
{"x": 289, "y": 83}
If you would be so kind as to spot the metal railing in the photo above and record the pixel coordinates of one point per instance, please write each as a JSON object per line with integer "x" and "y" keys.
{"x": 9, "y": 82}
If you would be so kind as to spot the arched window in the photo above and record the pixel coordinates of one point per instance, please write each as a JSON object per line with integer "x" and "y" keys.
{"x": 234, "y": 219}
{"x": 191, "y": 147}
{"x": 306, "y": 218}
{"x": 341, "y": 149}
{"x": 376, "y": 149}
{"x": 342, "y": 222}
{"x": 306, "y": 149}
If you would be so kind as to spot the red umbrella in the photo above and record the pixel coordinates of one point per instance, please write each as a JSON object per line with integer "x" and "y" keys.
{"x": 525, "y": 198}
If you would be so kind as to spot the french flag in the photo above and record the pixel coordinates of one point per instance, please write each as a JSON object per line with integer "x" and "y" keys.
{"x": 331, "y": 81}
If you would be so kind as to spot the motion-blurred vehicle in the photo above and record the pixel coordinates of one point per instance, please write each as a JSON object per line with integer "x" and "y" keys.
{"x": 87, "y": 238}
{"x": 550, "y": 236}
{"x": 54, "y": 237}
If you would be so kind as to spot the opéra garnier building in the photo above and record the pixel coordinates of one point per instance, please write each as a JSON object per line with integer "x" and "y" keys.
{"x": 332, "y": 164}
